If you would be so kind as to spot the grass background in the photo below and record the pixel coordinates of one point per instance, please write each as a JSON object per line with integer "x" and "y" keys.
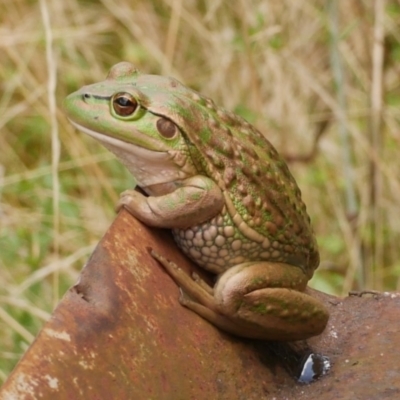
{"x": 319, "y": 78}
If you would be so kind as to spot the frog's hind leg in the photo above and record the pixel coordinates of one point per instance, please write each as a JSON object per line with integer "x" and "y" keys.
{"x": 255, "y": 299}
{"x": 271, "y": 297}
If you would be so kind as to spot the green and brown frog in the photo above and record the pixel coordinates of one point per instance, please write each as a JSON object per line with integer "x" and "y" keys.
{"x": 223, "y": 190}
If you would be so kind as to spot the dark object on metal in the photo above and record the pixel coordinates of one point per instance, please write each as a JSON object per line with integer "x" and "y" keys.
{"x": 120, "y": 333}
{"x": 313, "y": 367}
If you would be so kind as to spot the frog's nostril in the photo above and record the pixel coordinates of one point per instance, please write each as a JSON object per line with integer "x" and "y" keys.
{"x": 86, "y": 96}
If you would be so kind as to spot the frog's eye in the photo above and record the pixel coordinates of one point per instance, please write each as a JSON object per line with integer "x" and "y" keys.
{"x": 124, "y": 104}
{"x": 166, "y": 128}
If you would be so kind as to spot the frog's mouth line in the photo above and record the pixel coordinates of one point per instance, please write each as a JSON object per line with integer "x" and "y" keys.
{"x": 148, "y": 167}
{"x": 131, "y": 148}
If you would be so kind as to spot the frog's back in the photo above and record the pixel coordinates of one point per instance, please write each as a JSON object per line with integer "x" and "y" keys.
{"x": 262, "y": 196}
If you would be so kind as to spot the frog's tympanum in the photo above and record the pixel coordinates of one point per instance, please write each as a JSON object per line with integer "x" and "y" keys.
{"x": 223, "y": 190}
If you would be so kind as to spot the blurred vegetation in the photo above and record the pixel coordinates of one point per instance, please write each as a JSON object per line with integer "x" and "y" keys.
{"x": 319, "y": 78}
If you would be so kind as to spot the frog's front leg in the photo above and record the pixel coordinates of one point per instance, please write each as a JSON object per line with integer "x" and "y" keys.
{"x": 196, "y": 200}
{"x": 259, "y": 300}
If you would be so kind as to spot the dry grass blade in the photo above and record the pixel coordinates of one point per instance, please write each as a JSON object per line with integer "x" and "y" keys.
{"x": 55, "y": 140}
{"x": 50, "y": 269}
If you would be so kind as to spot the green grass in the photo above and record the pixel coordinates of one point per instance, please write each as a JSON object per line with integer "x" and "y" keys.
{"x": 275, "y": 63}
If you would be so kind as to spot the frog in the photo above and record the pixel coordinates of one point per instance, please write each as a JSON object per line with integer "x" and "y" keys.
{"x": 223, "y": 190}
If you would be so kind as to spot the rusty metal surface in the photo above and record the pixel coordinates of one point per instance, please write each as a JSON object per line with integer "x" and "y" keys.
{"x": 362, "y": 341}
{"x": 120, "y": 333}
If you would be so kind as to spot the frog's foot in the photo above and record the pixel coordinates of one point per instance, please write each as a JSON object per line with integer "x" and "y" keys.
{"x": 197, "y": 295}
{"x": 195, "y": 288}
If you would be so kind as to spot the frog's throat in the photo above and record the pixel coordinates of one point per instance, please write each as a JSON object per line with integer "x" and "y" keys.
{"x": 148, "y": 167}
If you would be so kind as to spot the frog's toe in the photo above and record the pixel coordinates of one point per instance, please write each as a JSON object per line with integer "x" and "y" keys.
{"x": 204, "y": 285}
{"x": 167, "y": 264}
{"x": 184, "y": 299}
{"x": 126, "y": 199}
{"x": 195, "y": 276}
